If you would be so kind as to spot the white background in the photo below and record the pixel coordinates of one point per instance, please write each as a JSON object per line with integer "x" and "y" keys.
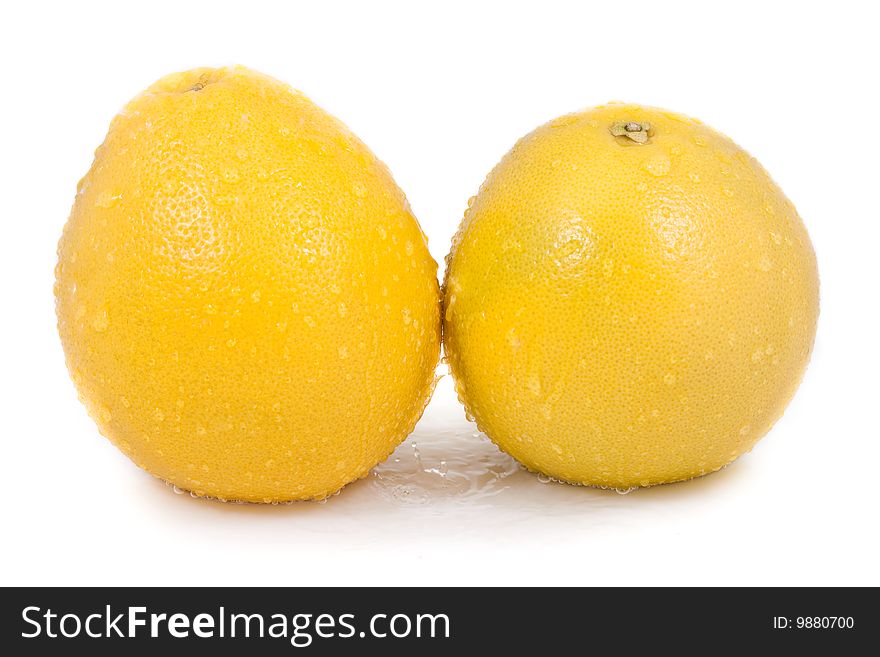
{"x": 440, "y": 92}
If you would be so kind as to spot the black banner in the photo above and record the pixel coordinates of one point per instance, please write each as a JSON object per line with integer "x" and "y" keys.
{"x": 110, "y": 621}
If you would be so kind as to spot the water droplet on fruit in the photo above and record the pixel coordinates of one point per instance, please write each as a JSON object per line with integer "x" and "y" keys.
{"x": 625, "y": 491}
{"x": 107, "y": 199}
{"x": 534, "y": 384}
{"x": 658, "y": 164}
{"x": 101, "y": 321}
{"x": 669, "y": 379}
{"x": 104, "y": 415}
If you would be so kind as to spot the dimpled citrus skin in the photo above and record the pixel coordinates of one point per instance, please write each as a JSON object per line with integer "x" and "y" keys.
{"x": 621, "y": 314}
{"x": 247, "y": 305}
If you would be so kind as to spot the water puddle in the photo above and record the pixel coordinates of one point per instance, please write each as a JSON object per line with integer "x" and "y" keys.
{"x": 444, "y": 464}
{"x": 447, "y": 461}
